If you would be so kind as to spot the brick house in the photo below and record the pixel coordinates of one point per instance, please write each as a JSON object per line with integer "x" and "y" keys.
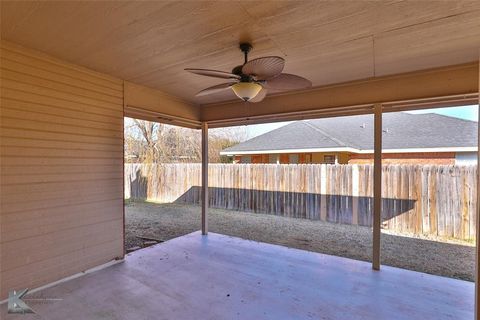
{"x": 407, "y": 139}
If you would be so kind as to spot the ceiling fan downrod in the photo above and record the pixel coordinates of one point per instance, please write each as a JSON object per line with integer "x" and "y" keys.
{"x": 246, "y": 48}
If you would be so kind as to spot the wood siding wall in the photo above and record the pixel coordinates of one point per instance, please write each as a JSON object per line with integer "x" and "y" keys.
{"x": 61, "y": 169}
{"x": 434, "y": 200}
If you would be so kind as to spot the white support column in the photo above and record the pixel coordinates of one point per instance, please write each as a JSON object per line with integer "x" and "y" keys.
{"x": 377, "y": 186}
{"x": 204, "y": 178}
{"x": 477, "y": 224}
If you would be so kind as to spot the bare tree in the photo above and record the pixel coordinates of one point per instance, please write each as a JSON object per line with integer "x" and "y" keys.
{"x": 151, "y": 142}
{"x": 148, "y": 130}
{"x": 221, "y": 138}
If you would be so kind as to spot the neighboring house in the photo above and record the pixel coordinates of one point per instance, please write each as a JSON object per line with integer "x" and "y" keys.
{"x": 407, "y": 138}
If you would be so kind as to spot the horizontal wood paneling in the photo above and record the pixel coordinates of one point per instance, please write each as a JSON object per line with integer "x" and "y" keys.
{"x": 55, "y": 153}
{"x": 31, "y": 143}
{"x": 59, "y": 169}
{"x": 58, "y": 86}
{"x": 19, "y": 160}
{"x": 56, "y": 220}
{"x": 56, "y": 93}
{"x": 79, "y": 114}
{"x": 37, "y": 99}
{"x": 29, "y": 205}
{"x": 58, "y": 136}
{"x": 9, "y": 112}
{"x": 52, "y": 177}
{"x": 46, "y": 62}
{"x": 45, "y": 271}
{"x": 51, "y": 126}
{"x": 58, "y": 189}
{"x": 14, "y": 66}
{"x": 61, "y": 173}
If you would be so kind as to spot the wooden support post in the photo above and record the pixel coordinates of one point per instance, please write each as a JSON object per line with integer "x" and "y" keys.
{"x": 477, "y": 220}
{"x": 204, "y": 178}
{"x": 377, "y": 186}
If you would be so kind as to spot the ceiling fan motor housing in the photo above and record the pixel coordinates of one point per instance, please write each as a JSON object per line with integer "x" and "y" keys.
{"x": 237, "y": 70}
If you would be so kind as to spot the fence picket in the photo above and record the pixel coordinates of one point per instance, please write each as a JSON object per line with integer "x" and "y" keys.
{"x": 428, "y": 199}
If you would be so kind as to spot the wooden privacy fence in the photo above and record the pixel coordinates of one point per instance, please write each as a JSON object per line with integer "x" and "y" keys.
{"x": 420, "y": 199}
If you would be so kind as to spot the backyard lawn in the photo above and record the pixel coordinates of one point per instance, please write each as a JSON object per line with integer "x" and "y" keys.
{"x": 167, "y": 221}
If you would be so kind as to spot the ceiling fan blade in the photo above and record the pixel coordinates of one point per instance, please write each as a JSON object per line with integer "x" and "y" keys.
{"x": 215, "y": 89}
{"x": 260, "y": 96}
{"x": 264, "y": 68}
{"x": 286, "y": 81}
{"x": 213, "y": 73}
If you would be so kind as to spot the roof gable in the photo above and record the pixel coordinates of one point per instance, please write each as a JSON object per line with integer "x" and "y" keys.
{"x": 400, "y": 131}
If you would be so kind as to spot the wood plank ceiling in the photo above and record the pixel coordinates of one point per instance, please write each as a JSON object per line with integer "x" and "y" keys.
{"x": 150, "y": 43}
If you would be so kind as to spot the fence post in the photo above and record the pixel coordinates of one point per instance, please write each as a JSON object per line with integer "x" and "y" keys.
{"x": 355, "y": 193}
{"x": 323, "y": 192}
{"x": 204, "y": 178}
{"x": 377, "y": 186}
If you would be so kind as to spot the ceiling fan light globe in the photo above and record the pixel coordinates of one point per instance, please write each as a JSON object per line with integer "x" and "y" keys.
{"x": 246, "y": 90}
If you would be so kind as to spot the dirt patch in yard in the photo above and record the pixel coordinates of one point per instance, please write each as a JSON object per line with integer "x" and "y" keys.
{"x": 166, "y": 221}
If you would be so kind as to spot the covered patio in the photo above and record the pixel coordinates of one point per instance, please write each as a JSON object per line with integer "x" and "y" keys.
{"x": 242, "y": 279}
{"x": 71, "y": 71}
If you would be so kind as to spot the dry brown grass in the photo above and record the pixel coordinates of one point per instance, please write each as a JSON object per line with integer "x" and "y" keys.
{"x": 166, "y": 221}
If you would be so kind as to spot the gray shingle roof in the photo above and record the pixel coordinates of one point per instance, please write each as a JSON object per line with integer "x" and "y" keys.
{"x": 400, "y": 131}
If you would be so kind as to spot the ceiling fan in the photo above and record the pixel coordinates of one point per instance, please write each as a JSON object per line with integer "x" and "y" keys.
{"x": 252, "y": 80}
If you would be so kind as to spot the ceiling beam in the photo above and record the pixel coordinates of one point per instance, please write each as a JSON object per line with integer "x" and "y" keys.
{"x": 421, "y": 89}
{"x": 154, "y": 105}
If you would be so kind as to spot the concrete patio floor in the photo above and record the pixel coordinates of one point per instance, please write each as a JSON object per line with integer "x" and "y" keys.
{"x": 222, "y": 277}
